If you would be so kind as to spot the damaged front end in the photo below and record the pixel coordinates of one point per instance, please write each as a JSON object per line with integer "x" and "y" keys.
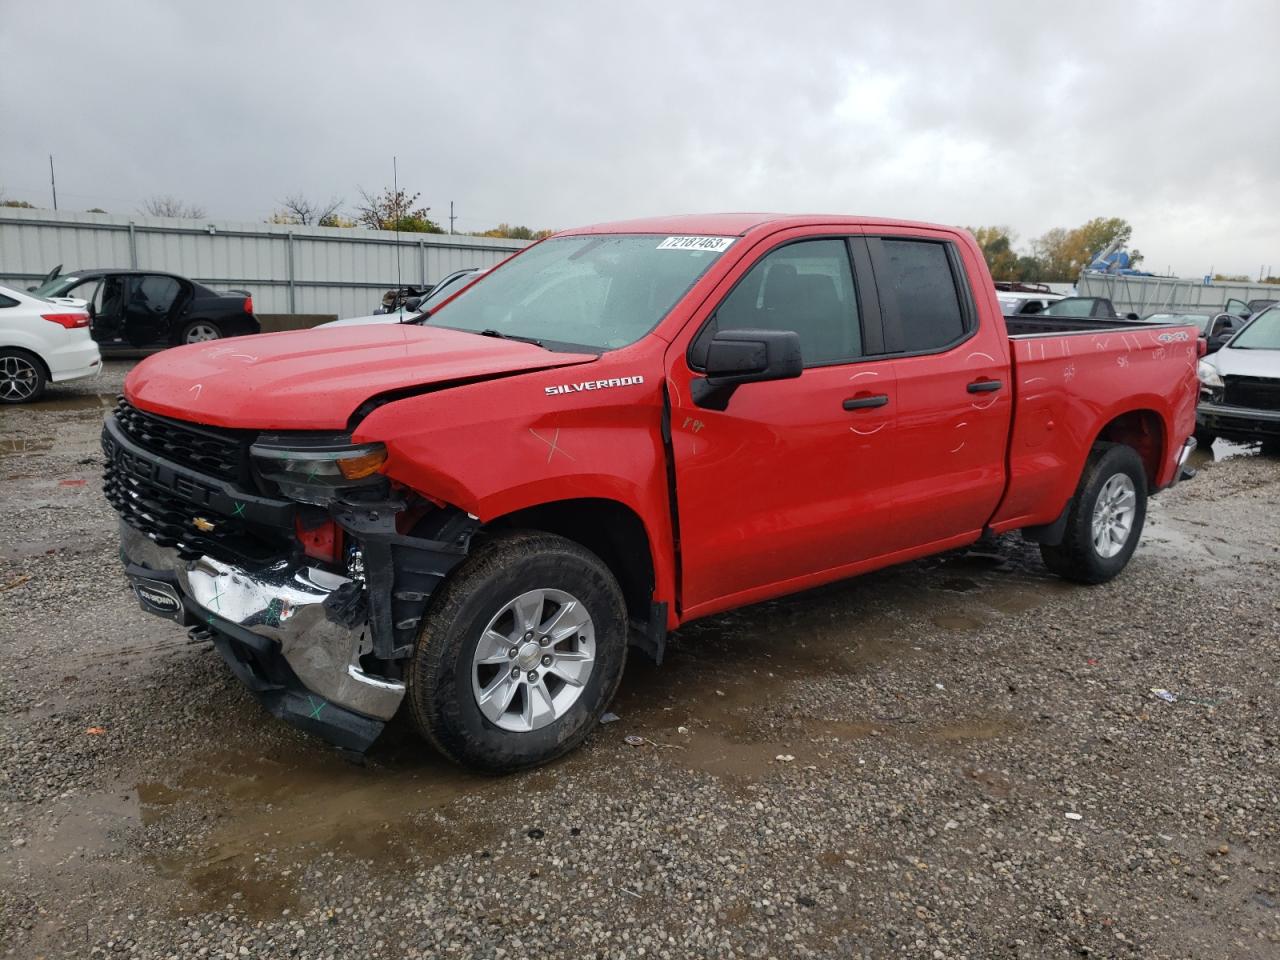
{"x": 306, "y": 568}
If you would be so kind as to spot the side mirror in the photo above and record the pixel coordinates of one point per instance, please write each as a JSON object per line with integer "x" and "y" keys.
{"x": 1132, "y": 316}
{"x": 735, "y": 357}
{"x": 412, "y": 304}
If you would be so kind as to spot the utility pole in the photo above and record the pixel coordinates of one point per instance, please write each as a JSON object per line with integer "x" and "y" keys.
{"x": 451, "y": 218}
{"x": 53, "y": 182}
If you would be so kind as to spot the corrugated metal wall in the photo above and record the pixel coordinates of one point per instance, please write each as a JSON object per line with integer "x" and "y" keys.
{"x": 1144, "y": 295}
{"x": 288, "y": 269}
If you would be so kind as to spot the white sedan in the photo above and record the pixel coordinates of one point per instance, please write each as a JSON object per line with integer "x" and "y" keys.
{"x": 42, "y": 342}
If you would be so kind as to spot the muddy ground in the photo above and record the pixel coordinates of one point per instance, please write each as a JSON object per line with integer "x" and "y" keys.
{"x": 960, "y": 757}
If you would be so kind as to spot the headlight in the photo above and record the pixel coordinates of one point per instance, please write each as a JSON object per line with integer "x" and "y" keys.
{"x": 1208, "y": 374}
{"x": 315, "y": 470}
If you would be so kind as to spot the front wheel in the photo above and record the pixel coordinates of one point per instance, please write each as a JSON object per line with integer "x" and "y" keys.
{"x": 1106, "y": 518}
{"x": 520, "y": 653}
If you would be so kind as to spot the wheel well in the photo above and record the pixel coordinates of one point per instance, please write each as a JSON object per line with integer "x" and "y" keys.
{"x": 608, "y": 529}
{"x": 48, "y": 375}
{"x": 1144, "y": 431}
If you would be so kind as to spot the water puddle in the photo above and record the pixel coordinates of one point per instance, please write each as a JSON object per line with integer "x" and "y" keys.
{"x": 74, "y": 403}
{"x": 23, "y": 446}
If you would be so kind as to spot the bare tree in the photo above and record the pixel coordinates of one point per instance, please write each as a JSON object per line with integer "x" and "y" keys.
{"x": 298, "y": 209}
{"x": 165, "y": 205}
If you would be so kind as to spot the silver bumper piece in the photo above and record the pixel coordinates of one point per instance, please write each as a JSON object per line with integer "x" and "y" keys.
{"x": 283, "y": 603}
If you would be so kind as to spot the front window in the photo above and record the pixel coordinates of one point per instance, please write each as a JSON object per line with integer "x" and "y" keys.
{"x": 600, "y": 292}
{"x": 1262, "y": 334}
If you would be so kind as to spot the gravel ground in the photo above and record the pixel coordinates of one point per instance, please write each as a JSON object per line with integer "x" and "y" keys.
{"x": 960, "y": 757}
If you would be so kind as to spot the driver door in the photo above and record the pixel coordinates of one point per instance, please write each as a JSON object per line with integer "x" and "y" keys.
{"x": 787, "y": 483}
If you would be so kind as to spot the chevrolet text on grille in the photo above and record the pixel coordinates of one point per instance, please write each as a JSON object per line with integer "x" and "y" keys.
{"x": 594, "y": 385}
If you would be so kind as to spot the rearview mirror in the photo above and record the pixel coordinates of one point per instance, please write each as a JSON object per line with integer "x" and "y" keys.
{"x": 412, "y": 304}
{"x": 735, "y": 357}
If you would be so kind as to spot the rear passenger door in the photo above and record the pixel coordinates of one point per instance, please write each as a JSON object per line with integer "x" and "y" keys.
{"x": 148, "y": 306}
{"x": 954, "y": 399}
{"x": 788, "y": 481}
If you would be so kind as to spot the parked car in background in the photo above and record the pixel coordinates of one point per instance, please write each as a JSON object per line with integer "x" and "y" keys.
{"x": 42, "y": 341}
{"x": 1095, "y": 308}
{"x": 1017, "y": 300}
{"x": 416, "y": 307}
{"x": 1240, "y": 386}
{"x": 145, "y": 308}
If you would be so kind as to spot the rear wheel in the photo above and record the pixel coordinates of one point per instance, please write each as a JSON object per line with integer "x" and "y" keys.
{"x": 519, "y": 654}
{"x": 201, "y": 331}
{"x": 22, "y": 377}
{"x": 1106, "y": 518}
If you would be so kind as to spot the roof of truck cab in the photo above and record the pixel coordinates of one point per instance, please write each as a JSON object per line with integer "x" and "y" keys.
{"x": 739, "y": 224}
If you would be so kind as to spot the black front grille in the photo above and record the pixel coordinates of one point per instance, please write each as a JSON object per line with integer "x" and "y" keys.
{"x": 213, "y": 450}
{"x": 195, "y": 516}
{"x": 1258, "y": 393}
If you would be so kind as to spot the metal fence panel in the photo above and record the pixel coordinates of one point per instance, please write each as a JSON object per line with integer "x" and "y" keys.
{"x": 288, "y": 269}
{"x": 1144, "y": 295}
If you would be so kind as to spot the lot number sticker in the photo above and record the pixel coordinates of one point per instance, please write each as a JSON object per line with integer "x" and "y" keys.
{"x": 713, "y": 244}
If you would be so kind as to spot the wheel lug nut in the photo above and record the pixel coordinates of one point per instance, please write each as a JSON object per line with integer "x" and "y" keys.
{"x": 528, "y": 636}
{"x": 512, "y": 653}
{"x": 544, "y": 641}
{"x": 546, "y": 661}
{"x": 515, "y": 673}
{"x": 533, "y": 676}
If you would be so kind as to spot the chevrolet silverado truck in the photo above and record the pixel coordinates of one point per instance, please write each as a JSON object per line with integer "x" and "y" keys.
{"x": 624, "y": 428}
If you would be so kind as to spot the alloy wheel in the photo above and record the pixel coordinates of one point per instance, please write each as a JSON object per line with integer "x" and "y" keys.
{"x": 19, "y": 378}
{"x": 1113, "y": 515}
{"x": 533, "y": 660}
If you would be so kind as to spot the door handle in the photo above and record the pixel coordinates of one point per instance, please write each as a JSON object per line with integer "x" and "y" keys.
{"x": 863, "y": 403}
{"x": 985, "y": 386}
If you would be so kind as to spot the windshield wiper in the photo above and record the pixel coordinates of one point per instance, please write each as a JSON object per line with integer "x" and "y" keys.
{"x": 510, "y": 336}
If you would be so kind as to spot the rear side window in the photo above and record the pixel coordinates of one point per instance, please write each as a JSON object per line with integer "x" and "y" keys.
{"x": 918, "y": 293}
{"x": 7, "y": 301}
{"x": 806, "y": 287}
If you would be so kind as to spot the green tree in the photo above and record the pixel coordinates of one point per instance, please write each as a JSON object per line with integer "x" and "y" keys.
{"x": 997, "y": 250}
{"x": 394, "y": 210}
{"x": 507, "y": 231}
{"x": 1065, "y": 253}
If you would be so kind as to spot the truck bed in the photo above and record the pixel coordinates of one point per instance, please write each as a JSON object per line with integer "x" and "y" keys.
{"x": 1029, "y": 326}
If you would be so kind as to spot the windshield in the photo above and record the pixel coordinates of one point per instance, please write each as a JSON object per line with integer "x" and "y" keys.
{"x": 602, "y": 291}
{"x": 55, "y": 287}
{"x": 1262, "y": 334}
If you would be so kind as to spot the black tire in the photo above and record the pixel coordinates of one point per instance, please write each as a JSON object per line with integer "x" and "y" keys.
{"x": 1271, "y": 447}
{"x": 1077, "y": 558}
{"x": 1205, "y": 438}
{"x": 22, "y": 376}
{"x": 441, "y": 700}
{"x": 210, "y": 325}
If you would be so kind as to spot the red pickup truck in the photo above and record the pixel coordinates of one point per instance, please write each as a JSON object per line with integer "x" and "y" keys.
{"x": 619, "y": 430}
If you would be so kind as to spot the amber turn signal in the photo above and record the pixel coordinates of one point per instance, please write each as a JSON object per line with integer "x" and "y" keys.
{"x": 367, "y": 464}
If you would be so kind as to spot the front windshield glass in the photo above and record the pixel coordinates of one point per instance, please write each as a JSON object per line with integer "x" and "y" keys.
{"x": 601, "y": 291}
{"x": 55, "y": 287}
{"x": 1262, "y": 334}
{"x": 1201, "y": 320}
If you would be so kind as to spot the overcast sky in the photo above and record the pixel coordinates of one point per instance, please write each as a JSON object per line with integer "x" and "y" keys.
{"x": 1027, "y": 114}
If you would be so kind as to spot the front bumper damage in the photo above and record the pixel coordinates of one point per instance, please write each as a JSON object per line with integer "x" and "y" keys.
{"x": 322, "y": 650}
{"x": 279, "y": 632}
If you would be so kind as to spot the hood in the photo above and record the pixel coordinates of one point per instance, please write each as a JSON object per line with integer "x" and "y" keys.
{"x": 1246, "y": 363}
{"x": 315, "y": 379}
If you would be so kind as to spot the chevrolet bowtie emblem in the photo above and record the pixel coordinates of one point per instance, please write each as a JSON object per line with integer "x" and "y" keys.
{"x": 203, "y": 525}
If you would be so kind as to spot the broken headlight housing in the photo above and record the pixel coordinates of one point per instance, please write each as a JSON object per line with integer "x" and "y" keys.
{"x": 1208, "y": 374}
{"x": 317, "y": 469}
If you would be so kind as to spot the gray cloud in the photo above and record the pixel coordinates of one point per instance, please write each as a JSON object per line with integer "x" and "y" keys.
{"x": 555, "y": 114}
